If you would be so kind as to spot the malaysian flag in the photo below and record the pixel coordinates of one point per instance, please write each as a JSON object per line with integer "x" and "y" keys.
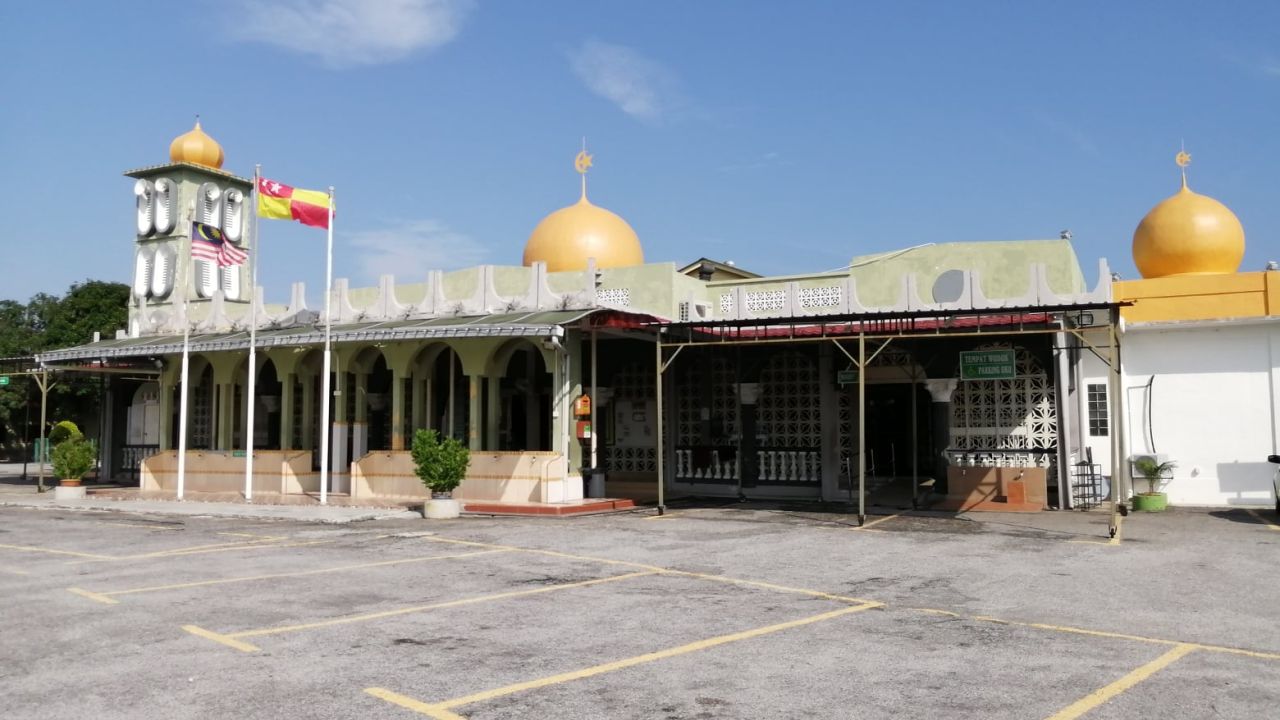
{"x": 208, "y": 243}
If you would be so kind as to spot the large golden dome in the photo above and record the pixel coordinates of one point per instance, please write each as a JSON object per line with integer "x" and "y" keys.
{"x": 1188, "y": 234}
{"x": 566, "y": 238}
{"x": 197, "y": 148}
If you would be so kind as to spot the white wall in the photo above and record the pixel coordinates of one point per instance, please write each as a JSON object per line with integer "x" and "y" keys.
{"x": 1211, "y": 407}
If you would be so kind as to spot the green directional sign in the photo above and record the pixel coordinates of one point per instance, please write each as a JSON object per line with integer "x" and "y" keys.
{"x": 847, "y": 377}
{"x": 987, "y": 365}
{"x": 4, "y": 380}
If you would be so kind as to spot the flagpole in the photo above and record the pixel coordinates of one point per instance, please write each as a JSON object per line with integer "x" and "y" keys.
{"x": 253, "y": 337}
{"x": 186, "y": 366}
{"x": 325, "y": 389}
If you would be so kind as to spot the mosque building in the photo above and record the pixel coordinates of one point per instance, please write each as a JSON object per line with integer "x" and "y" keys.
{"x": 1201, "y": 371}
{"x": 958, "y": 375}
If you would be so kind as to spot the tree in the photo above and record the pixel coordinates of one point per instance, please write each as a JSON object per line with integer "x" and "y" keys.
{"x": 48, "y": 322}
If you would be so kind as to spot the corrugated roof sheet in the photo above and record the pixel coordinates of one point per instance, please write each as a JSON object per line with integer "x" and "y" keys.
{"x": 528, "y": 324}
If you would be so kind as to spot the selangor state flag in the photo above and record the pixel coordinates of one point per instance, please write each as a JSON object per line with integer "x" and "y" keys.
{"x": 281, "y": 202}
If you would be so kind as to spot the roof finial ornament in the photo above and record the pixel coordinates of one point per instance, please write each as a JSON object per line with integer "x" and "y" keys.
{"x": 582, "y": 163}
{"x": 1183, "y": 158}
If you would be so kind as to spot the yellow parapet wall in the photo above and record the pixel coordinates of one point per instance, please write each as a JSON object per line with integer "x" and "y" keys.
{"x": 1200, "y": 297}
{"x": 274, "y": 471}
{"x": 516, "y": 476}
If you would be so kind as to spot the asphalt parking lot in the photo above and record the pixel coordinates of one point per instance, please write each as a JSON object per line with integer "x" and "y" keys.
{"x": 740, "y": 611}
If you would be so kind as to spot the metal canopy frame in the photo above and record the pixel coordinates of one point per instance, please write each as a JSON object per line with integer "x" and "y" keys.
{"x": 884, "y": 328}
{"x": 529, "y": 324}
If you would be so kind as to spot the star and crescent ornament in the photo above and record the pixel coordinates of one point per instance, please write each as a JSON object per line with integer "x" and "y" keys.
{"x": 582, "y": 162}
{"x": 1183, "y": 158}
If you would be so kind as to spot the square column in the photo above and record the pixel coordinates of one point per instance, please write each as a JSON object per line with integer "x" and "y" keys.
{"x": 286, "y": 411}
{"x": 829, "y": 413}
{"x": 340, "y": 428}
{"x": 242, "y": 418}
{"x": 475, "y": 409}
{"x": 166, "y": 414}
{"x": 493, "y": 412}
{"x": 397, "y": 411}
{"x": 360, "y": 423}
{"x": 309, "y": 423}
{"x": 421, "y": 415}
{"x": 941, "y": 391}
{"x": 225, "y": 415}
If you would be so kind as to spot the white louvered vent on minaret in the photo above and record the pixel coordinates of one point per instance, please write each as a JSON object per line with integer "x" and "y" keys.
{"x": 209, "y": 205}
{"x": 206, "y": 277}
{"x": 144, "y": 191}
{"x": 230, "y": 282}
{"x": 142, "y": 269}
{"x": 208, "y": 211}
{"x": 165, "y": 205}
{"x": 233, "y": 215}
{"x": 162, "y": 272}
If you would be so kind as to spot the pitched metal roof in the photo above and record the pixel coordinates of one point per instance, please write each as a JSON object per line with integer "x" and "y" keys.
{"x": 528, "y": 324}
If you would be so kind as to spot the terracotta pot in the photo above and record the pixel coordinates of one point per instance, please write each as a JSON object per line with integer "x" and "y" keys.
{"x": 69, "y": 482}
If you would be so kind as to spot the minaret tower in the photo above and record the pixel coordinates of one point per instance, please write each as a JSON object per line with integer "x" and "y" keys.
{"x": 191, "y": 188}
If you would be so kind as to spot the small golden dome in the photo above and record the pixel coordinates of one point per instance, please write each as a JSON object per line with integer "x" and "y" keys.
{"x": 1188, "y": 234}
{"x": 567, "y": 237}
{"x": 197, "y": 148}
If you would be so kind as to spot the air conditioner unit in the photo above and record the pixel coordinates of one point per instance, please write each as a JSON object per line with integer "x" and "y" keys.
{"x": 694, "y": 311}
{"x": 1157, "y": 458}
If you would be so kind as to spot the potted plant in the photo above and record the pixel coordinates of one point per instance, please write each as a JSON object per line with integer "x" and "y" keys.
{"x": 441, "y": 464}
{"x": 1153, "y": 472}
{"x": 71, "y": 459}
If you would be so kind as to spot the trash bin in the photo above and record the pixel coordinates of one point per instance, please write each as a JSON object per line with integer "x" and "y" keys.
{"x": 595, "y": 484}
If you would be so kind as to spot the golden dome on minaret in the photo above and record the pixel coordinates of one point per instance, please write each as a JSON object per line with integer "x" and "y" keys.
{"x": 196, "y": 147}
{"x": 566, "y": 238}
{"x": 1188, "y": 234}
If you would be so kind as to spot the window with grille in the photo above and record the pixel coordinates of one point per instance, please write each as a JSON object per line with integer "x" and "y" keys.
{"x": 1097, "y": 410}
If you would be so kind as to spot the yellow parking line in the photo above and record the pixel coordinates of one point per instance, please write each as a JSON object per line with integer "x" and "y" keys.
{"x": 1101, "y": 633}
{"x": 1270, "y": 525}
{"x": 219, "y": 638}
{"x": 658, "y": 569}
{"x": 195, "y": 548}
{"x": 1113, "y": 542}
{"x": 247, "y": 578}
{"x": 869, "y": 525}
{"x": 408, "y": 703}
{"x": 200, "y": 550}
{"x": 228, "y": 548}
{"x": 11, "y": 571}
{"x": 1105, "y": 693}
{"x": 31, "y": 548}
{"x": 252, "y": 535}
{"x": 98, "y": 597}
{"x": 817, "y": 593}
{"x": 415, "y": 609}
{"x": 435, "y": 710}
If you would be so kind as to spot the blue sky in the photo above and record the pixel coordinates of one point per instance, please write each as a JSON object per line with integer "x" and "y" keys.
{"x": 787, "y": 137}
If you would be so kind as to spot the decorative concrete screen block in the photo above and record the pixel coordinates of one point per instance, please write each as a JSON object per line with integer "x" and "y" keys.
{"x": 764, "y": 300}
{"x": 726, "y": 303}
{"x": 617, "y": 297}
{"x": 819, "y": 297}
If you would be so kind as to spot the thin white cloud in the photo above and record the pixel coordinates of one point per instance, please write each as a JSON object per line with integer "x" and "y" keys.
{"x": 347, "y": 33}
{"x": 410, "y": 249}
{"x": 759, "y": 162}
{"x": 640, "y": 87}
{"x": 1070, "y": 132}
